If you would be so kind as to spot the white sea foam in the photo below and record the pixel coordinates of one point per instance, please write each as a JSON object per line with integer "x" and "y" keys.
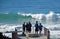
{"x": 54, "y": 30}
{"x": 50, "y": 15}
{"x": 6, "y": 27}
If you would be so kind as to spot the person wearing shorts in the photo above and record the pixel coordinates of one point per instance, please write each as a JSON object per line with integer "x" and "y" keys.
{"x": 36, "y": 27}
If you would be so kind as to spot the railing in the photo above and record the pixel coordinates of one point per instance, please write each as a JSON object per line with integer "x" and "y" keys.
{"x": 47, "y": 33}
{"x": 14, "y": 33}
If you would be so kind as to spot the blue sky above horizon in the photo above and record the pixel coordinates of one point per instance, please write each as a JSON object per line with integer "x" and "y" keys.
{"x": 30, "y": 6}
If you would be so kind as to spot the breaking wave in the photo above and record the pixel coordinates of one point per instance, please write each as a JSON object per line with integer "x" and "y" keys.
{"x": 50, "y": 15}
{"x": 22, "y": 16}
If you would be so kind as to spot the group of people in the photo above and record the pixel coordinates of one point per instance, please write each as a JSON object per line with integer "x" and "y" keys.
{"x": 27, "y": 27}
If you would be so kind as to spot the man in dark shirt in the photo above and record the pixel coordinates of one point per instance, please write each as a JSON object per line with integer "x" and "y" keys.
{"x": 27, "y": 27}
{"x": 24, "y": 28}
{"x": 40, "y": 28}
{"x": 36, "y": 27}
{"x": 30, "y": 25}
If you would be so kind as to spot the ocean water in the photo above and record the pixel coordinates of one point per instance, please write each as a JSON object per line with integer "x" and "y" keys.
{"x": 8, "y": 22}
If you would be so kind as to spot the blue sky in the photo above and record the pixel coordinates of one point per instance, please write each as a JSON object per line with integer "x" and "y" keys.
{"x": 30, "y": 6}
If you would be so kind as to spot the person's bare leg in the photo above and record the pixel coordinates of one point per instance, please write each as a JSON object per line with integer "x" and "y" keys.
{"x": 40, "y": 32}
{"x": 37, "y": 32}
{"x": 27, "y": 35}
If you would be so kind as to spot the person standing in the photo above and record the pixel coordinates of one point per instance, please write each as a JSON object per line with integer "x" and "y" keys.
{"x": 36, "y": 27}
{"x": 27, "y": 27}
{"x": 40, "y": 28}
{"x": 27, "y": 30}
{"x": 24, "y": 25}
{"x": 30, "y": 25}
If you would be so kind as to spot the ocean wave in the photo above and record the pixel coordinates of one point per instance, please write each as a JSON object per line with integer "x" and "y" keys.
{"x": 13, "y": 17}
{"x": 50, "y": 15}
{"x": 51, "y": 18}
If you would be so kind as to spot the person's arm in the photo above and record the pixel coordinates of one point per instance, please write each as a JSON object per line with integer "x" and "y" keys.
{"x": 31, "y": 25}
{"x": 35, "y": 25}
{"x": 41, "y": 25}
